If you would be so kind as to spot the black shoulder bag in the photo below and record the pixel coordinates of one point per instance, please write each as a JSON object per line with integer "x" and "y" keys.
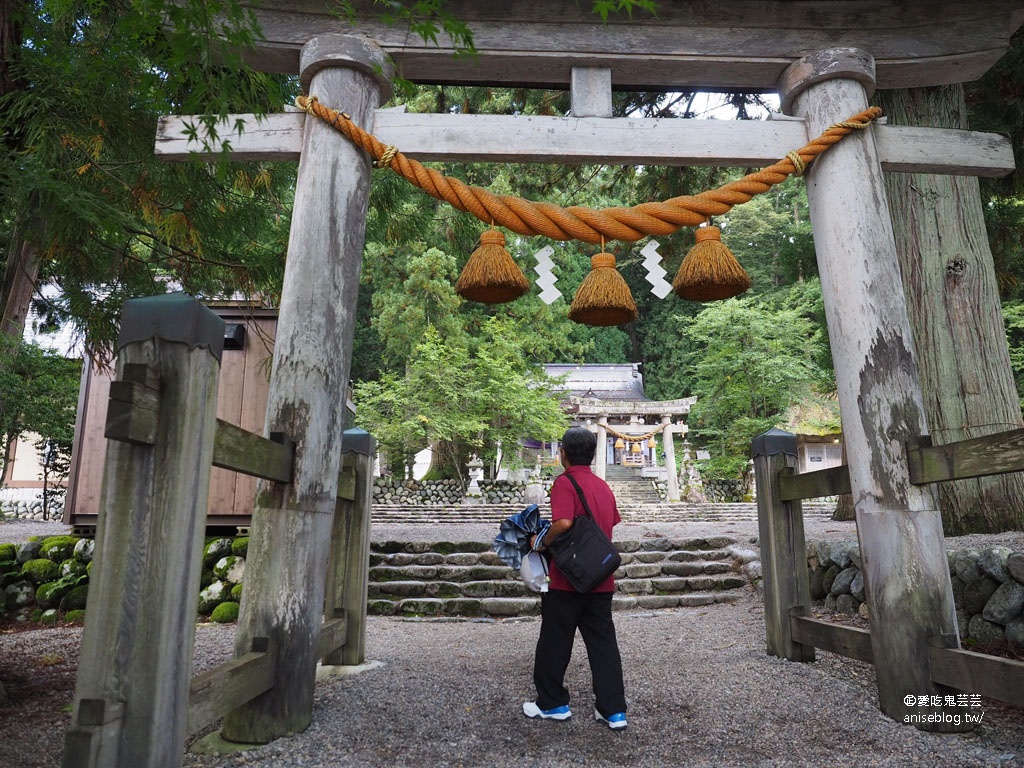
{"x": 583, "y": 553}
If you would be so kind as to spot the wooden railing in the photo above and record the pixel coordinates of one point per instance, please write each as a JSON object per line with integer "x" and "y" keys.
{"x": 134, "y": 698}
{"x": 791, "y": 633}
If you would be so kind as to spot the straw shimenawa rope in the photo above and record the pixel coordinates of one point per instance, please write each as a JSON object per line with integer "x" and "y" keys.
{"x": 579, "y": 222}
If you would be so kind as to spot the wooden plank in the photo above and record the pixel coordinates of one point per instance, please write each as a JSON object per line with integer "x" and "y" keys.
{"x": 214, "y": 693}
{"x": 990, "y": 676}
{"x": 332, "y": 635}
{"x": 812, "y": 485}
{"x": 259, "y": 348}
{"x": 852, "y": 642}
{"x": 910, "y": 149}
{"x": 744, "y": 44}
{"x": 242, "y": 451}
{"x": 591, "y": 92}
{"x": 230, "y": 395}
{"x": 613, "y": 141}
{"x": 977, "y": 457}
{"x": 347, "y": 483}
{"x": 783, "y": 548}
{"x": 133, "y": 413}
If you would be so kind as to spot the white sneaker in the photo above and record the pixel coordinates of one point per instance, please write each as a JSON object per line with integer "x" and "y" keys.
{"x": 615, "y": 722}
{"x": 530, "y": 709}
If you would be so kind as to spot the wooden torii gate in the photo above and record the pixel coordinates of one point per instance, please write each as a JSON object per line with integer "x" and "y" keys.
{"x": 824, "y": 58}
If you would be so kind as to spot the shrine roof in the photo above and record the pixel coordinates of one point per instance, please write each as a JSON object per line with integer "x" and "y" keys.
{"x": 600, "y": 381}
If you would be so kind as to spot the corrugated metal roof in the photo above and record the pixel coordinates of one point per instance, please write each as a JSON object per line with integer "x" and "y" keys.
{"x": 597, "y": 380}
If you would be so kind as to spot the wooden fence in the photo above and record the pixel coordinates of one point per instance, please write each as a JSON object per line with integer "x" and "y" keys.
{"x": 791, "y": 632}
{"x": 135, "y": 703}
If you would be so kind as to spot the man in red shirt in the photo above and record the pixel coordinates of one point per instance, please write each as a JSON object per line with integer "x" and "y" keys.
{"x": 563, "y": 609}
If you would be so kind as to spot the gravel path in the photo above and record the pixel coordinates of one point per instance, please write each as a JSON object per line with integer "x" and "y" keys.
{"x": 701, "y": 689}
{"x": 701, "y": 692}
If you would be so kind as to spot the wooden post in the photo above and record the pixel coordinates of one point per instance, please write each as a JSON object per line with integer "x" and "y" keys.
{"x": 291, "y": 525}
{"x": 590, "y": 91}
{"x": 131, "y": 700}
{"x": 672, "y": 474}
{"x": 783, "y": 549}
{"x": 349, "y": 570}
{"x": 601, "y": 458}
{"x": 906, "y": 574}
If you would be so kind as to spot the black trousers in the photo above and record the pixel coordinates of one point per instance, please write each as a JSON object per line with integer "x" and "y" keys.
{"x": 562, "y": 613}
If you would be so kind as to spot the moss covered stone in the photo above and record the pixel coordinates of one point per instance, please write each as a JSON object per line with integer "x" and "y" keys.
{"x": 49, "y": 595}
{"x": 215, "y": 550}
{"x": 206, "y": 578}
{"x": 230, "y": 569}
{"x": 72, "y": 567}
{"x": 236, "y": 592}
{"x": 74, "y": 616}
{"x": 8, "y": 553}
{"x": 75, "y": 599}
{"x": 225, "y": 613}
{"x": 212, "y": 596}
{"x": 51, "y": 616}
{"x": 58, "y": 548}
{"x": 40, "y": 570}
{"x": 240, "y": 546}
{"x": 84, "y": 550}
{"x": 30, "y": 550}
{"x": 19, "y": 594}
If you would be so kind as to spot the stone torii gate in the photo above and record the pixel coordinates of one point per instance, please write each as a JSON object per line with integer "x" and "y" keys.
{"x": 825, "y": 59}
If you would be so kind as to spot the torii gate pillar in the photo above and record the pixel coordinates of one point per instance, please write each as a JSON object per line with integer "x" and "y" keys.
{"x": 291, "y": 524}
{"x": 906, "y": 574}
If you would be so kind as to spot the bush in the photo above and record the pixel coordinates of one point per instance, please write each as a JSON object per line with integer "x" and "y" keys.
{"x": 225, "y": 613}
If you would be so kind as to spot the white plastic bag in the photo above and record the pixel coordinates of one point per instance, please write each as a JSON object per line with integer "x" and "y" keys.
{"x": 534, "y": 571}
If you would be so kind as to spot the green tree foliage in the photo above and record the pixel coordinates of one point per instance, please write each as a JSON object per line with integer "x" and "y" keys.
{"x": 1013, "y": 316}
{"x": 80, "y": 189}
{"x": 750, "y": 361}
{"x": 38, "y": 394}
{"x": 995, "y": 102}
{"x": 459, "y": 402}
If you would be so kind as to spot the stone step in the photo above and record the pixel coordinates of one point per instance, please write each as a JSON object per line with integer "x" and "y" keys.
{"x": 416, "y": 581}
{"x": 508, "y": 607}
{"x": 666, "y": 512}
{"x": 447, "y": 578}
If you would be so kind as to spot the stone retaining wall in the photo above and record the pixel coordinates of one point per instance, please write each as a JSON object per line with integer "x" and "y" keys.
{"x": 27, "y": 504}
{"x": 390, "y": 490}
{"x": 988, "y": 588}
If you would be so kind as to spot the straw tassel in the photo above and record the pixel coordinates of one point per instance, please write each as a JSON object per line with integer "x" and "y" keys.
{"x": 603, "y": 298}
{"x": 710, "y": 271}
{"x": 491, "y": 276}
